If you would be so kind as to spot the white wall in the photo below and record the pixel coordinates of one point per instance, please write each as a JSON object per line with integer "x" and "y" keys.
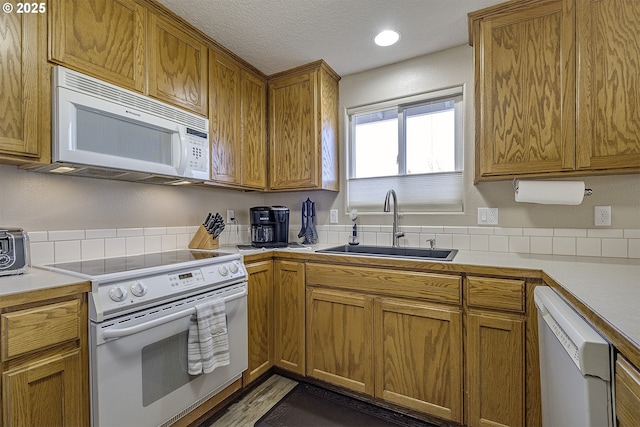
{"x": 455, "y": 67}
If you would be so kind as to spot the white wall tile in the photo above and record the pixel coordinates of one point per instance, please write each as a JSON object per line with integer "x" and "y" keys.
{"x": 456, "y": 230}
{"x": 151, "y": 243}
{"x": 588, "y": 246}
{"x": 176, "y": 230}
{"x": 541, "y": 244}
{"x": 631, "y": 233}
{"x": 55, "y": 236}
{"x": 131, "y": 232}
{"x": 505, "y": 231}
{"x": 411, "y": 239}
{"x": 570, "y": 232}
{"x": 634, "y": 248}
{"x": 605, "y": 232}
{"x": 499, "y": 243}
{"x": 42, "y": 253}
{"x": 564, "y": 245}
{"x": 369, "y": 238}
{"x": 333, "y": 237}
{"x": 102, "y": 233}
{"x": 444, "y": 241}
{"x": 383, "y": 239}
{"x": 432, "y": 229}
{"x": 134, "y": 245}
{"x": 169, "y": 242}
{"x": 614, "y": 248}
{"x": 115, "y": 247}
{"x": 461, "y": 241}
{"x": 155, "y": 231}
{"x": 92, "y": 248}
{"x": 538, "y": 232}
{"x": 482, "y": 230}
{"x": 479, "y": 242}
{"x": 519, "y": 244}
{"x": 38, "y": 236}
{"x": 67, "y": 250}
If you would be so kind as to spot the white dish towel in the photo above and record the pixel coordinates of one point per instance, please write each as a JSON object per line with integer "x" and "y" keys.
{"x": 208, "y": 344}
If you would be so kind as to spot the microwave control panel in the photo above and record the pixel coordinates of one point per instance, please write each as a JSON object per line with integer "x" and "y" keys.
{"x": 198, "y": 151}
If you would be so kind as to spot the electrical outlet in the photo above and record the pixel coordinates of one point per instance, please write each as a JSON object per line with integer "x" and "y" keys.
{"x": 602, "y": 215}
{"x": 231, "y": 215}
{"x": 487, "y": 216}
{"x": 333, "y": 216}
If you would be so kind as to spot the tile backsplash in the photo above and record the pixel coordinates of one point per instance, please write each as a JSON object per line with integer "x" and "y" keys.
{"x": 71, "y": 245}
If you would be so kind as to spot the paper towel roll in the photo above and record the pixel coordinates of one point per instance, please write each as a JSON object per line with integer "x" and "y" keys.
{"x": 550, "y": 192}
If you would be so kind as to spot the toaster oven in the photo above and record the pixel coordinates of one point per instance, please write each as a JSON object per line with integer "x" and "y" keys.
{"x": 14, "y": 251}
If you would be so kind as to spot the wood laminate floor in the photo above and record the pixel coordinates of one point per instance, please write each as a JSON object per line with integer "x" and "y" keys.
{"x": 249, "y": 409}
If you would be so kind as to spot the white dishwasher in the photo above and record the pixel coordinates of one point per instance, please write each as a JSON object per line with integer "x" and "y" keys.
{"x": 575, "y": 366}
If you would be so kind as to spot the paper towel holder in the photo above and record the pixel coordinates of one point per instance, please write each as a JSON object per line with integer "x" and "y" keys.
{"x": 587, "y": 191}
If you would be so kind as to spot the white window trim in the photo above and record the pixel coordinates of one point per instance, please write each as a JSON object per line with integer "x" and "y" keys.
{"x": 449, "y": 92}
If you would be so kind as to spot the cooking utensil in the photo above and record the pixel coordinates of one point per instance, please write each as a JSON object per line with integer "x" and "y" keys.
{"x": 303, "y": 230}
{"x": 314, "y": 232}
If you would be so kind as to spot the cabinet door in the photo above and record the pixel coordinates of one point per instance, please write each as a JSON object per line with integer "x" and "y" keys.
{"x": 253, "y": 131}
{"x": 260, "y": 312}
{"x": 177, "y": 65}
{"x": 525, "y": 92}
{"x": 289, "y": 316}
{"x": 627, "y": 384}
{"x": 495, "y": 370}
{"x": 19, "y": 83}
{"x": 224, "y": 118}
{"x": 45, "y": 393}
{"x": 104, "y": 38}
{"x": 419, "y": 357}
{"x": 608, "y": 44}
{"x": 293, "y": 130}
{"x": 340, "y": 341}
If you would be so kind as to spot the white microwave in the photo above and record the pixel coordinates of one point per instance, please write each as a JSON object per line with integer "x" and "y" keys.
{"x": 97, "y": 124}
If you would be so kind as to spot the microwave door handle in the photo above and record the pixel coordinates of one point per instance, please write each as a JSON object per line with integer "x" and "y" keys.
{"x": 119, "y": 333}
{"x": 182, "y": 150}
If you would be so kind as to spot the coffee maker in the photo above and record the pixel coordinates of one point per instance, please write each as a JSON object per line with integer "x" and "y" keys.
{"x": 269, "y": 226}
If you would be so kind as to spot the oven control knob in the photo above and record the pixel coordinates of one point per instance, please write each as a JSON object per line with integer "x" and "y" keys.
{"x": 223, "y": 270}
{"x": 139, "y": 289}
{"x": 233, "y": 268}
{"x": 118, "y": 293}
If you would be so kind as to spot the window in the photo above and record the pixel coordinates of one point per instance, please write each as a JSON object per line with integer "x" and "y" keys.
{"x": 413, "y": 145}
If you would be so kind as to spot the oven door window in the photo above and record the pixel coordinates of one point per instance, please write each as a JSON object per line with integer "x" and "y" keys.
{"x": 164, "y": 367}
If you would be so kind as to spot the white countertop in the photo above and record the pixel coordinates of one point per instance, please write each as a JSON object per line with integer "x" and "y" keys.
{"x": 609, "y": 287}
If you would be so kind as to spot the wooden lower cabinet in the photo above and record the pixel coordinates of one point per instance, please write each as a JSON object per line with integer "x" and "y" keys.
{"x": 260, "y": 316}
{"x": 289, "y": 315}
{"x": 627, "y": 384}
{"x": 340, "y": 338}
{"x": 44, "y": 358}
{"x": 45, "y": 393}
{"x": 418, "y": 357}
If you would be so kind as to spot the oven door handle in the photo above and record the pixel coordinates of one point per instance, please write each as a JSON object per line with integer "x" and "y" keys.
{"x": 119, "y": 333}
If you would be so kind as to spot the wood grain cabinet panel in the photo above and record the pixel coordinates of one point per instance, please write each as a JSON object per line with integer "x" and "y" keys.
{"x": 419, "y": 357}
{"x": 498, "y": 294}
{"x": 556, "y": 89}
{"x": 608, "y": 48}
{"x": 303, "y": 129}
{"x": 340, "y": 338}
{"x": 177, "y": 64}
{"x": 237, "y": 121}
{"x": 289, "y": 320}
{"x": 46, "y": 393}
{"x": 627, "y": 384}
{"x": 103, "y": 38}
{"x": 21, "y": 40}
{"x": 260, "y": 316}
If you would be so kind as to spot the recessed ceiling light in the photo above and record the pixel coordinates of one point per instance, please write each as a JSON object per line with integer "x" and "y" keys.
{"x": 387, "y": 38}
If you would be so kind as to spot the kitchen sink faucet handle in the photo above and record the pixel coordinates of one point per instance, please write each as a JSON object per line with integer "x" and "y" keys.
{"x": 432, "y": 243}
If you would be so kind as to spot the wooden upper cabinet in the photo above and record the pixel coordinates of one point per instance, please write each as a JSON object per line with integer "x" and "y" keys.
{"x": 557, "y": 86}
{"x": 103, "y": 38}
{"x": 177, "y": 64}
{"x": 19, "y": 38}
{"x": 525, "y": 86}
{"x": 237, "y": 121}
{"x": 303, "y": 129}
{"x": 608, "y": 48}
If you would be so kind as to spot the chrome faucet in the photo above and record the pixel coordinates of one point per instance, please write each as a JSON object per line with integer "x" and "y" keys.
{"x": 387, "y": 208}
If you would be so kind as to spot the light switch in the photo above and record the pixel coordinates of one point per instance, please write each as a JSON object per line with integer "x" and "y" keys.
{"x": 487, "y": 216}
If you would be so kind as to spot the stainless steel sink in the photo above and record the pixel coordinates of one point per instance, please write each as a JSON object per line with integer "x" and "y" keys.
{"x": 388, "y": 251}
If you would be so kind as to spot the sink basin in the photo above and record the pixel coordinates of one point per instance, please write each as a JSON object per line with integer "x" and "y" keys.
{"x": 388, "y": 251}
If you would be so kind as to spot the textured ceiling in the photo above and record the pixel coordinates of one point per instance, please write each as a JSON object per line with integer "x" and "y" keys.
{"x": 275, "y": 35}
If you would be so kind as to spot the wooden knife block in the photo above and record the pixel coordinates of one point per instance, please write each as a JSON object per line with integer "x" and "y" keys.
{"x": 203, "y": 240}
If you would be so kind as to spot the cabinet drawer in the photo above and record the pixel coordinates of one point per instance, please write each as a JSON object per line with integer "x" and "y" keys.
{"x": 499, "y": 294}
{"x": 414, "y": 284}
{"x": 39, "y": 327}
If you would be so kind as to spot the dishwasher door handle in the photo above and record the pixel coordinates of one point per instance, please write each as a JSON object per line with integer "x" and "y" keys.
{"x": 123, "y": 332}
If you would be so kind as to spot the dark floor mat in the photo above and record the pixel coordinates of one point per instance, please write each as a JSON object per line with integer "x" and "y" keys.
{"x": 310, "y": 406}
